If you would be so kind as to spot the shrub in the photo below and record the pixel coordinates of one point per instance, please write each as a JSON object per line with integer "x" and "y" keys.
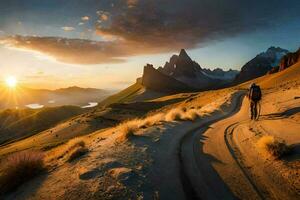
{"x": 19, "y": 168}
{"x": 272, "y": 146}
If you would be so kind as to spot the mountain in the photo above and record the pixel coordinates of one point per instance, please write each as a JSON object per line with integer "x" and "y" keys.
{"x": 187, "y": 71}
{"x": 181, "y": 73}
{"x": 158, "y": 81}
{"x": 261, "y": 64}
{"x": 219, "y": 73}
{"x": 22, "y": 96}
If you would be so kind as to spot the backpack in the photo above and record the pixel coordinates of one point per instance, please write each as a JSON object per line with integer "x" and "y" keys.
{"x": 255, "y": 93}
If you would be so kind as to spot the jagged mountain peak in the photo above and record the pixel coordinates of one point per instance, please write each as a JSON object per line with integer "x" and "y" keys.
{"x": 184, "y": 55}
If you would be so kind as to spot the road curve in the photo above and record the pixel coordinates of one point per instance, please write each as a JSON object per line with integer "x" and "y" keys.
{"x": 199, "y": 178}
{"x": 217, "y": 163}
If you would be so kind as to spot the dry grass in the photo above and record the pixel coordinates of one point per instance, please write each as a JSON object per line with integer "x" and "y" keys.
{"x": 272, "y": 146}
{"x": 154, "y": 119}
{"x": 191, "y": 115}
{"x": 175, "y": 114}
{"x": 68, "y": 149}
{"x": 128, "y": 129}
{"x": 181, "y": 112}
{"x": 19, "y": 168}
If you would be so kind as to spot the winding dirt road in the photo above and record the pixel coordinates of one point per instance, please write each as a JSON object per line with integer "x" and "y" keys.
{"x": 220, "y": 161}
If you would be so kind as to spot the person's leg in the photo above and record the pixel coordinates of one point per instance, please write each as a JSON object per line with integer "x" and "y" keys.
{"x": 255, "y": 110}
{"x": 252, "y": 109}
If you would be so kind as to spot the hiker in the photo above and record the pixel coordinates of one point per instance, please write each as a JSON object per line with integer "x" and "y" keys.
{"x": 254, "y": 96}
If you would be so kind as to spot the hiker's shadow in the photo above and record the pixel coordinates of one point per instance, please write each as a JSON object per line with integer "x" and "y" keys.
{"x": 282, "y": 115}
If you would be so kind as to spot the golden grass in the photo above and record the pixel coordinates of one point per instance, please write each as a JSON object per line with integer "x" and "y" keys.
{"x": 68, "y": 149}
{"x": 154, "y": 119}
{"x": 181, "y": 112}
{"x": 175, "y": 114}
{"x": 128, "y": 129}
{"x": 19, "y": 168}
{"x": 191, "y": 115}
{"x": 273, "y": 146}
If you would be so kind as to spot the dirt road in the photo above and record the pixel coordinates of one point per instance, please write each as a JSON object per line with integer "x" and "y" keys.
{"x": 219, "y": 160}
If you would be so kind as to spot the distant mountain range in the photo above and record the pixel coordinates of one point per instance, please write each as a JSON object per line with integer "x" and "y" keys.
{"x": 261, "y": 64}
{"x": 181, "y": 74}
{"x": 65, "y": 96}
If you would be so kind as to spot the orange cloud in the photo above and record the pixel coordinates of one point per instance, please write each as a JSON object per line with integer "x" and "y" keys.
{"x": 68, "y": 28}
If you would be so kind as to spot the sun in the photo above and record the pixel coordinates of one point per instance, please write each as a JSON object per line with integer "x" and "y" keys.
{"x": 11, "y": 81}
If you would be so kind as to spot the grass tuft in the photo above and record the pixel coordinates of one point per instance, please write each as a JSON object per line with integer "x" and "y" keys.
{"x": 67, "y": 149}
{"x": 128, "y": 129}
{"x": 175, "y": 114}
{"x": 153, "y": 119}
{"x": 190, "y": 115}
{"x": 272, "y": 146}
{"x": 19, "y": 168}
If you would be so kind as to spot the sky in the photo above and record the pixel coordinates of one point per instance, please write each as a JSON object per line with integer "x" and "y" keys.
{"x": 105, "y": 43}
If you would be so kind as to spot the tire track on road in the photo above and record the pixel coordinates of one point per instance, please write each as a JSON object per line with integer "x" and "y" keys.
{"x": 237, "y": 156}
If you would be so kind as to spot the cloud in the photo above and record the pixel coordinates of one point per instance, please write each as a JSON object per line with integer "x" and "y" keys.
{"x": 75, "y": 51}
{"x": 85, "y": 18}
{"x": 80, "y": 23}
{"x": 68, "y": 28}
{"x": 103, "y": 15}
{"x": 132, "y": 3}
{"x": 190, "y": 23}
{"x": 138, "y": 27}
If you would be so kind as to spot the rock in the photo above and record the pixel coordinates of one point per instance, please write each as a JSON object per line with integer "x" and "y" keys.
{"x": 157, "y": 81}
{"x": 289, "y": 60}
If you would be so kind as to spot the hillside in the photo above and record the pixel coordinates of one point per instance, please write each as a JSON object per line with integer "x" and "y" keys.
{"x": 135, "y": 92}
{"x": 22, "y": 123}
{"x": 124, "y": 95}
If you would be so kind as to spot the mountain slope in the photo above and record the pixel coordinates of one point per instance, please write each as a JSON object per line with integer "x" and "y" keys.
{"x": 123, "y": 96}
{"x": 155, "y": 80}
